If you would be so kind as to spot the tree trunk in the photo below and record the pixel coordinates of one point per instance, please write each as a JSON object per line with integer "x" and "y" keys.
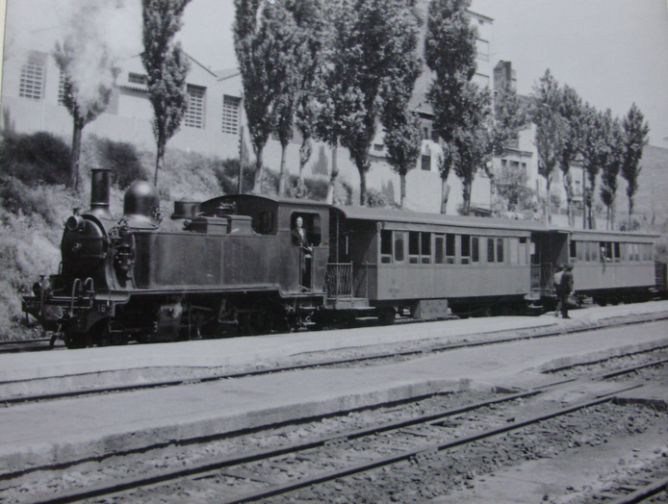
{"x": 630, "y": 209}
{"x": 77, "y": 133}
{"x": 282, "y": 173}
{"x": 403, "y": 190}
{"x": 159, "y": 160}
{"x": 333, "y": 176}
{"x": 257, "y": 181}
{"x": 304, "y": 155}
{"x": 568, "y": 186}
{"x": 466, "y": 205}
{"x": 445, "y": 193}
{"x": 548, "y": 214}
{"x": 362, "y": 185}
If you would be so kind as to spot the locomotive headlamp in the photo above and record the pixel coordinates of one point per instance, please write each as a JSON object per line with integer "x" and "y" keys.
{"x": 74, "y": 222}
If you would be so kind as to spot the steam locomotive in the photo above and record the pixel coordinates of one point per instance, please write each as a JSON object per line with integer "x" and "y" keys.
{"x": 231, "y": 266}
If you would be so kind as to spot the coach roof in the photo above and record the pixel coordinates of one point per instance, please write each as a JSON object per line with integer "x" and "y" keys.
{"x": 403, "y": 216}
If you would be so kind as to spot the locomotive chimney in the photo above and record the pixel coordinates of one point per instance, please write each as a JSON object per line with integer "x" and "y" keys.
{"x": 99, "y": 193}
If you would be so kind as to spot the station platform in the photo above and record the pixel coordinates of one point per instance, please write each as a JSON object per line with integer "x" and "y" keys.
{"x": 62, "y": 431}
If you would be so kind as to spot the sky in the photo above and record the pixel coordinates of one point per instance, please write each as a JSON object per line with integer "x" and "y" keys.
{"x": 613, "y": 52}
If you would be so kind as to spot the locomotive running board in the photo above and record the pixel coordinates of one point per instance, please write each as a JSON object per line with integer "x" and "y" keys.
{"x": 347, "y": 303}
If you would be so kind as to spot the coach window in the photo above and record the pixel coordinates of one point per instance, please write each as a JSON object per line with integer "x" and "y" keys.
{"x": 439, "y": 249}
{"x": 399, "y": 238}
{"x": 475, "y": 249}
{"x": 617, "y": 253}
{"x": 513, "y": 250}
{"x": 573, "y": 251}
{"x": 490, "y": 250}
{"x": 413, "y": 247}
{"x": 523, "y": 251}
{"x": 594, "y": 253}
{"x": 499, "y": 250}
{"x": 425, "y": 248}
{"x": 466, "y": 249}
{"x": 450, "y": 249}
{"x": 385, "y": 246}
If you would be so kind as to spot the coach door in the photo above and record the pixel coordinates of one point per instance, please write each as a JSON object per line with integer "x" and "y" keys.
{"x": 548, "y": 249}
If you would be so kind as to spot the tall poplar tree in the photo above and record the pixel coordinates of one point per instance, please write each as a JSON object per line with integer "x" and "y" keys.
{"x": 403, "y": 142}
{"x": 261, "y": 77}
{"x": 372, "y": 52}
{"x": 289, "y": 40}
{"x": 550, "y": 131}
{"x": 612, "y": 165}
{"x": 311, "y": 20}
{"x": 594, "y": 147}
{"x": 332, "y": 88}
{"x": 635, "y": 133}
{"x": 403, "y": 135}
{"x": 570, "y": 108}
{"x": 166, "y": 67}
{"x": 450, "y": 52}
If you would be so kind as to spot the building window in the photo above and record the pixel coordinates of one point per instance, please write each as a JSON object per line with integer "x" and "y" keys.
{"x": 135, "y": 78}
{"x": 426, "y": 163}
{"x": 482, "y": 47}
{"x": 32, "y": 78}
{"x": 434, "y": 136}
{"x": 194, "y": 117}
{"x": 61, "y": 89}
{"x": 425, "y": 133}
{"x": 378, "y": 147}
{"x": 231, "y": 106}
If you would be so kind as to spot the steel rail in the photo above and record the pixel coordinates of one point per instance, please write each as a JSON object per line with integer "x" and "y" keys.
{"x": 297, "y": 367}
{"x": 642, "y": 493}
{"x": 631, "y": 369}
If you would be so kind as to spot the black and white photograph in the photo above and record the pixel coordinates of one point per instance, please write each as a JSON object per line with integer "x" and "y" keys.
{"x": 334, "y": 251}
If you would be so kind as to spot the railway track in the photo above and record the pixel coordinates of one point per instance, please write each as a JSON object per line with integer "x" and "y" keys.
{"x": 278, "y": 471}
{"x": 335, "y": 362}
{"x": 34, "y": 345}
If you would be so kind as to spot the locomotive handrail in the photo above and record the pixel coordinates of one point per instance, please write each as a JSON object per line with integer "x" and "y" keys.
{"x": 77, "y": 282}
{"x": 338, "y": 280}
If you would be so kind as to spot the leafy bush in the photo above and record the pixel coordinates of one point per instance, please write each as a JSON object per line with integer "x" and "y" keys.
{"x": 34, "y": 159}
{"x": 21, "y": 199}
{"x": 314, "y": 189}
{"x": 123, "y": 161}
{"x": 227, "y": 173}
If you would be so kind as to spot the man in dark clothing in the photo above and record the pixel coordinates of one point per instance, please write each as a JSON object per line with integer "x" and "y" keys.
{"x": 300, "y": 239}
{"x": 556, "y": 280}
{"x": 565, "y": 289}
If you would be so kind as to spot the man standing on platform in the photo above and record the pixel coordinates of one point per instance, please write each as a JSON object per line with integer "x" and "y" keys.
{"x": 565, "y": 289}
